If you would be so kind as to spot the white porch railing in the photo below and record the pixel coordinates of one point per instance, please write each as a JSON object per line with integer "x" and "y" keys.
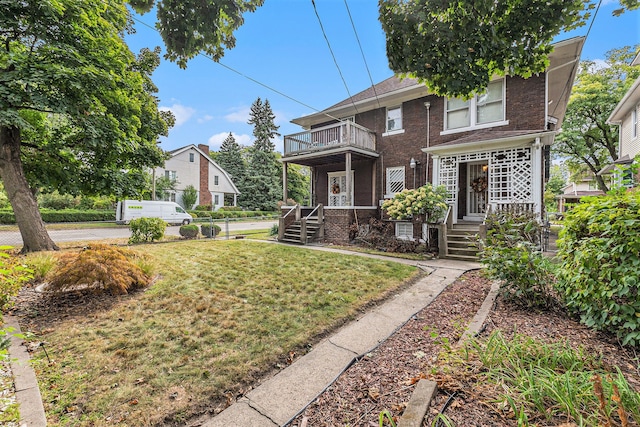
{"x": 327, "y": 137}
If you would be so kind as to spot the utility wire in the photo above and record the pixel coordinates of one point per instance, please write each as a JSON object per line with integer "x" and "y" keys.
{"x": 335, "y": 61}
{"x": 266, "y": 86}
{"x": 373, "y": 86}
{"x": 577, "y": 63}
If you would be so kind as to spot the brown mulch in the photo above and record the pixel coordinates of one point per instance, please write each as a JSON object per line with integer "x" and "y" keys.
{"x": 385, "y": 378}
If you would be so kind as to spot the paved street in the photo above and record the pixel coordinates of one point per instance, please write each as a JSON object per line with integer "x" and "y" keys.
{"x": 13, "y": 238}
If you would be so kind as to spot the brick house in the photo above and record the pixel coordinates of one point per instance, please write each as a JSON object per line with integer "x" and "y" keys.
{"x": 191, "y": 165}
{"x": 397, "y": 135}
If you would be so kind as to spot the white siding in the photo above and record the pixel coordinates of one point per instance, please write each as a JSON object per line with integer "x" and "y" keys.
{"x": 628, "y": 144}
{"x": 187, "y": 173}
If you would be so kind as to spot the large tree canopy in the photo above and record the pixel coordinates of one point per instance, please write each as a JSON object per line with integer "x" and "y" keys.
{"x": 586, "y": 141}
{"x": 76, "y": 106}
{"x": 455, "y": 47}
{"x": 189, "y": 27}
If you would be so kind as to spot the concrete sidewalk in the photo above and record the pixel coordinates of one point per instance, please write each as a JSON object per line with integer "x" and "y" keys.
{"x": 281, "y": 398}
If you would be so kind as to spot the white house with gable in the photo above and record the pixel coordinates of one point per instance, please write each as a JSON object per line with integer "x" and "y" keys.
{"x": 191, "y": 165}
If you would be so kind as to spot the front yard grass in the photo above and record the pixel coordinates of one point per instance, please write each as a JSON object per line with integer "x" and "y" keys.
{"x": 221, "y": 314}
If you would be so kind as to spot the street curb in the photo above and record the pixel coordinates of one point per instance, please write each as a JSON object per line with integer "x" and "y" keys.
{"x": 27, "y": 392}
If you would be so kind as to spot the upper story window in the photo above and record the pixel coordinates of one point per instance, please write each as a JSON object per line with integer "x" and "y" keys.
{"x": 192, "y": 157}
{"x": 394, "y": 119}
{"x": 634, "y": 122}
{"x": 171, "y": 175}
{"x": 482, "y": 110}
{"x": 395, "y": 180}
{"x": 216, "y": 180}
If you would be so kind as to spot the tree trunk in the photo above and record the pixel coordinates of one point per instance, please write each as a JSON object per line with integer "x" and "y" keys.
{"x": 25, "y": 207}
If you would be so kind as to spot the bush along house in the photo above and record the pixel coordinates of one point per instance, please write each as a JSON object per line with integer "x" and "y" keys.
{"x": 490, "y": 153}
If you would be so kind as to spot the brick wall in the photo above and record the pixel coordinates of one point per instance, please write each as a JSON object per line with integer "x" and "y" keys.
{"x": 338, "y": 221}
{"x": 205, "y": 195}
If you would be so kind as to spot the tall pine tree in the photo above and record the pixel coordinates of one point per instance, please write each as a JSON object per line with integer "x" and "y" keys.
{"x": 230, "y": 159}
{"x": 262, "y": 188}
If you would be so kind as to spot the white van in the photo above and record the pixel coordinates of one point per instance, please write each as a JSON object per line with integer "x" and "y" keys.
{"x": 170, "y": 212}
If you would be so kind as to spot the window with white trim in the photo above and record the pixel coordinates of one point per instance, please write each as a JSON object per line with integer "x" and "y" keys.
{"x": 394, "y": 119}
{"x": 634, "y": 123}
{"x": 216, "y": 180}
{"x": 395, "y": 180}
{"x": 216, "y": 200}
{"x": 404, "y": 230}
{"x": 171, "y": 175}
{"x": 192, "y": 157}
{"x": 480, "y": 110}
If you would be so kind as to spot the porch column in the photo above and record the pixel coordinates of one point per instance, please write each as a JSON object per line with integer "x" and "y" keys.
{"x": 537, "y": 176}
{"x": 235, "y": 199}
{"x": 348, "y": 178}
{"x": 284, "y": 183}
{"x": 435, "y": 177}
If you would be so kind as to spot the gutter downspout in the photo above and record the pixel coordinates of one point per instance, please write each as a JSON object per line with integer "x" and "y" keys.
{"x": 426, "y": 172}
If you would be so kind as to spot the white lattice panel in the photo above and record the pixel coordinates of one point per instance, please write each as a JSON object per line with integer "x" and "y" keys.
{"x": 448, "y": 176}
{"x": 510, "y": 176}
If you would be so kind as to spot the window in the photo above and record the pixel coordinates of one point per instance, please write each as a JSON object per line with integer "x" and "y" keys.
{"x": 394, "y": 119}
{"x": 479, "y": 111}
{"x": 192, "y": 157}
{"x": 404, "y": 230}
{"x": 171, "y": 175}
{"x": 634, "y": 123}
{"x": 216, "y": 180}
{"x": 395, "y": 180}
{"x": 216, "y": 200}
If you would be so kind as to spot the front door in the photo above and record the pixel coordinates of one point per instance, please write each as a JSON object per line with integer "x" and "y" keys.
{"x": 477, "y": 185}
{"x": 338, "y": 189}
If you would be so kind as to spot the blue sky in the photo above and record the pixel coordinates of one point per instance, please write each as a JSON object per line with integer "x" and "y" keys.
{"x": 282, "y": 46}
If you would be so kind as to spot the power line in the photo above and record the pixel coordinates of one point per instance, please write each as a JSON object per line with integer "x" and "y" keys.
{"x": 577, "y": 63}
{"x": 373, "y": 86}
{"x": 335, "y": 61}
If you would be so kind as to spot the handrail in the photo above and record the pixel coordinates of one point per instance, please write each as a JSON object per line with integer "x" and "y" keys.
{"x": 292, "y": 210}
{"x": 312, "y": 212}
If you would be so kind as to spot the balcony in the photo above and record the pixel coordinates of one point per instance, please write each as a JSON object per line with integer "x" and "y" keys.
{"x": 333, "y": 138}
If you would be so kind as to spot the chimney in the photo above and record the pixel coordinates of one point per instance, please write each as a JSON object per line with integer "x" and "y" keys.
{"x": 205, "y": 195}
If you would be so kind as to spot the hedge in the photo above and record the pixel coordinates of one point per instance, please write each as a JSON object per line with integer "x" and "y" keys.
{"x": 220, "y": 214}
{"x": 65, "y": 215}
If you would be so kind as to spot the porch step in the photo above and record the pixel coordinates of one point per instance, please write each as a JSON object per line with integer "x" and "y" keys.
{"x": 293, "y": 233}
{"x": 461, "y": 242}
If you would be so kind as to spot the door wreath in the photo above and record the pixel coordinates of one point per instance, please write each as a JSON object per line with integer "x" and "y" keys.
{"x": 335, "y": 188}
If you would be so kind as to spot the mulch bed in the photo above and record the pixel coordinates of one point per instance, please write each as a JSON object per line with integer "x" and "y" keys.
{"x": 384, "y": 380}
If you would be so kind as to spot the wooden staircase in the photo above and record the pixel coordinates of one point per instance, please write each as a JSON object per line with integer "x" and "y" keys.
{"x": 301, "y": 225}
{"x": 295, "y": 234}
{"x": 461, "y": 241}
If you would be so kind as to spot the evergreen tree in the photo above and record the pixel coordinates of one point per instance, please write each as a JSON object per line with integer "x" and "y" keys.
{"x": 262, "y": 188}
{"x": 230, "y": 158}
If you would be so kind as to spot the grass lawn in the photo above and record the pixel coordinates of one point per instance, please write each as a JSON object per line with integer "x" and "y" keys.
{"x": 221, "y": 314}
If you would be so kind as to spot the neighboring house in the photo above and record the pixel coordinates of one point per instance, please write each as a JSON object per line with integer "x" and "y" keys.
{"x": 625, "y": 115}
{"x": 574, "y": 191}
{"x": 192, "y": 165}
{"x": 397, "y": 135}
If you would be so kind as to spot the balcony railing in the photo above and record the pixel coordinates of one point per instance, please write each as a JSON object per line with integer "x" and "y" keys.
{"x": 327, "y": 137}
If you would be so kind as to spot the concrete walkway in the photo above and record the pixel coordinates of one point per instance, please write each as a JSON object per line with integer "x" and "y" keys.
{"x": 281, "y": 398}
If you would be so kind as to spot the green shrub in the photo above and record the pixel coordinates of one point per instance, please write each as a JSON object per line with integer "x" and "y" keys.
{"x": 510, "y": 253}
{"x": 189, "y": 231}
{"x": 205, "y": 229}
{"x": 57, "y": 201}
{"x": 12, "y": 275}
{"x": 230, "y": 208}
{"x": 201, "y": 214}
{"x": 146, "y": 230}
{"x": 203, "y": 208}
{"x": 599, "y": 277}
{"x": 189, "y": 197}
